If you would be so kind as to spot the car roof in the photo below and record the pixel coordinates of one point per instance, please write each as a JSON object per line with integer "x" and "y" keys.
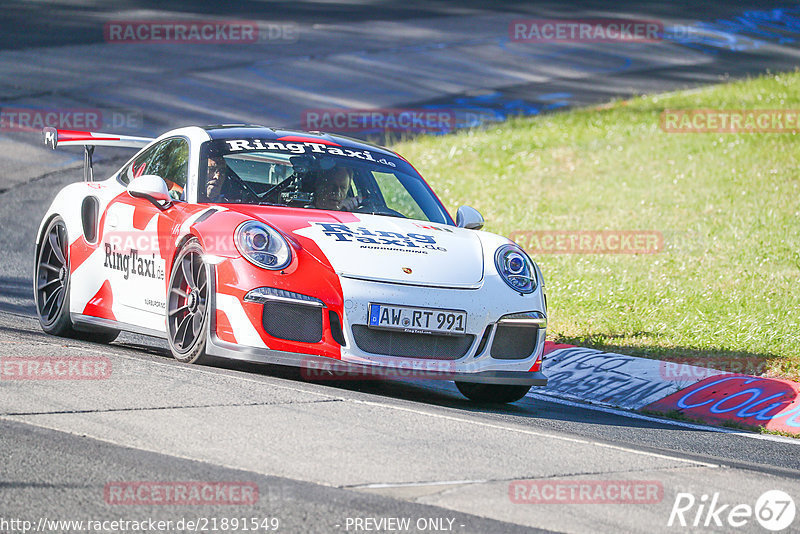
{"x": 239, "y": 131}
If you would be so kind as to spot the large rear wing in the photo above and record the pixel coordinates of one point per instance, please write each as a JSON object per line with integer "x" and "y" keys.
{"x": 55, "y": 138}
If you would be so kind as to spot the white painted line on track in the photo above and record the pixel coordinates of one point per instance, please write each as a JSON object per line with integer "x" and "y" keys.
{"x": 537, "y": 433}
{"x": 539, "y": 396}
{"x": 426, "y": 413}
{"x": 419, "y": 484}
{"x": 674, "y": 422}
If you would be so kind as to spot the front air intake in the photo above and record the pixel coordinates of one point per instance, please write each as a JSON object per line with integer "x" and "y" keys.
{"x": 514, "y": 342}
{"x": 408, "y": 345}
{"x": 293, "y": 322}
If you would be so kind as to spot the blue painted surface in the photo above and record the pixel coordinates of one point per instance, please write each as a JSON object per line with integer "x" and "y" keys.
{"x": 751, "y": 30}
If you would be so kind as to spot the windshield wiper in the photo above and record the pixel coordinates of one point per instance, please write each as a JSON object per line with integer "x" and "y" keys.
{"x": 397, "y": 215}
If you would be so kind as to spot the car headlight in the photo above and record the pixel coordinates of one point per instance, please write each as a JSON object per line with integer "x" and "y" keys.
{"x": 516, "y": 268}
{"x": 262, "y": 245}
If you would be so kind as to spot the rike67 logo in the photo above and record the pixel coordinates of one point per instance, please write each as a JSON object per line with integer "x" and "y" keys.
{"x": 774, "y": 510}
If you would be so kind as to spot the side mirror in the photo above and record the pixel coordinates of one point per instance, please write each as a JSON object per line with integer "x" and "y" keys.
{"x": 153, "y": 188}
{"x": 469, "y": 218}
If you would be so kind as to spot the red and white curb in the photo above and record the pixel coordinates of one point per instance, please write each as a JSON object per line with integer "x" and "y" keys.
{"x": 621, "y": 381}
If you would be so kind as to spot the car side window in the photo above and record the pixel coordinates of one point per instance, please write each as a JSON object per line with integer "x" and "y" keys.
{"x": 168, "y": 159}
{"x": 136, "y": 168}
{"x": 173, "y": 163}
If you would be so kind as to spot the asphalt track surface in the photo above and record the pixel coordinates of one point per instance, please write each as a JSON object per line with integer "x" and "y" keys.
{"x": 325, "y": 453}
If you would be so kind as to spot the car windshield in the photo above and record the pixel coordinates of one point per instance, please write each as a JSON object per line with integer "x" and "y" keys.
{"x": 314, "y": 175}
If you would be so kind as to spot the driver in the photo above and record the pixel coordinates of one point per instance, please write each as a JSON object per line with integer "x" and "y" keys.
{"x": 331, "y": 188}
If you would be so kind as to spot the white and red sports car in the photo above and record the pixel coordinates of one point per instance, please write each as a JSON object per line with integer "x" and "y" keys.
{"x": 287, "y": 247}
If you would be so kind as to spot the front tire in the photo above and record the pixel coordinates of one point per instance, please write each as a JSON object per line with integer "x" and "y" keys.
{"x": 188, "y": 305}
{"x": 492, "y": 393}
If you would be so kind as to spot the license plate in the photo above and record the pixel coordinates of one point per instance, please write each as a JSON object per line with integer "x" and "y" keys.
{"x": 418, "y": 320}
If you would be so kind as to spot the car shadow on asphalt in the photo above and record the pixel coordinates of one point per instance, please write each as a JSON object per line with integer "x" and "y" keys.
{"x": 444, "y": 394}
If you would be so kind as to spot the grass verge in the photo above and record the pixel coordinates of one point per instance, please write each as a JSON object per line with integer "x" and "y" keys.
{"x": 726, "y": 283}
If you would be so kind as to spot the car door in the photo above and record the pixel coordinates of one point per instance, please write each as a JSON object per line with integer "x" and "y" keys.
{"x": 138, "y": 235}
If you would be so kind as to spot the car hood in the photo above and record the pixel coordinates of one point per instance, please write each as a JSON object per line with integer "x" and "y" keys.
{"x": 402, "y": 251}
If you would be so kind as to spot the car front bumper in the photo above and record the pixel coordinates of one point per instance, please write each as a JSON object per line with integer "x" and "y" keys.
{"x": 347, "y": 356}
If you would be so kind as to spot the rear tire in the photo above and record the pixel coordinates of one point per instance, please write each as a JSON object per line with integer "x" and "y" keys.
{"x": 52, "y": 284}
{"x": 188, "y": 305}
{"x": 51, "y": 280}
{"x": 492, "y": 393}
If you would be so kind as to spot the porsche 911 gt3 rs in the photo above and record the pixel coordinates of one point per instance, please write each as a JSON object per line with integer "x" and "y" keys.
{"x": 288, "y": 247}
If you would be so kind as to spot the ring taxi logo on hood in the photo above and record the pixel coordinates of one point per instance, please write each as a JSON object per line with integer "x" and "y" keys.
{"x": 343, "y": 232}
